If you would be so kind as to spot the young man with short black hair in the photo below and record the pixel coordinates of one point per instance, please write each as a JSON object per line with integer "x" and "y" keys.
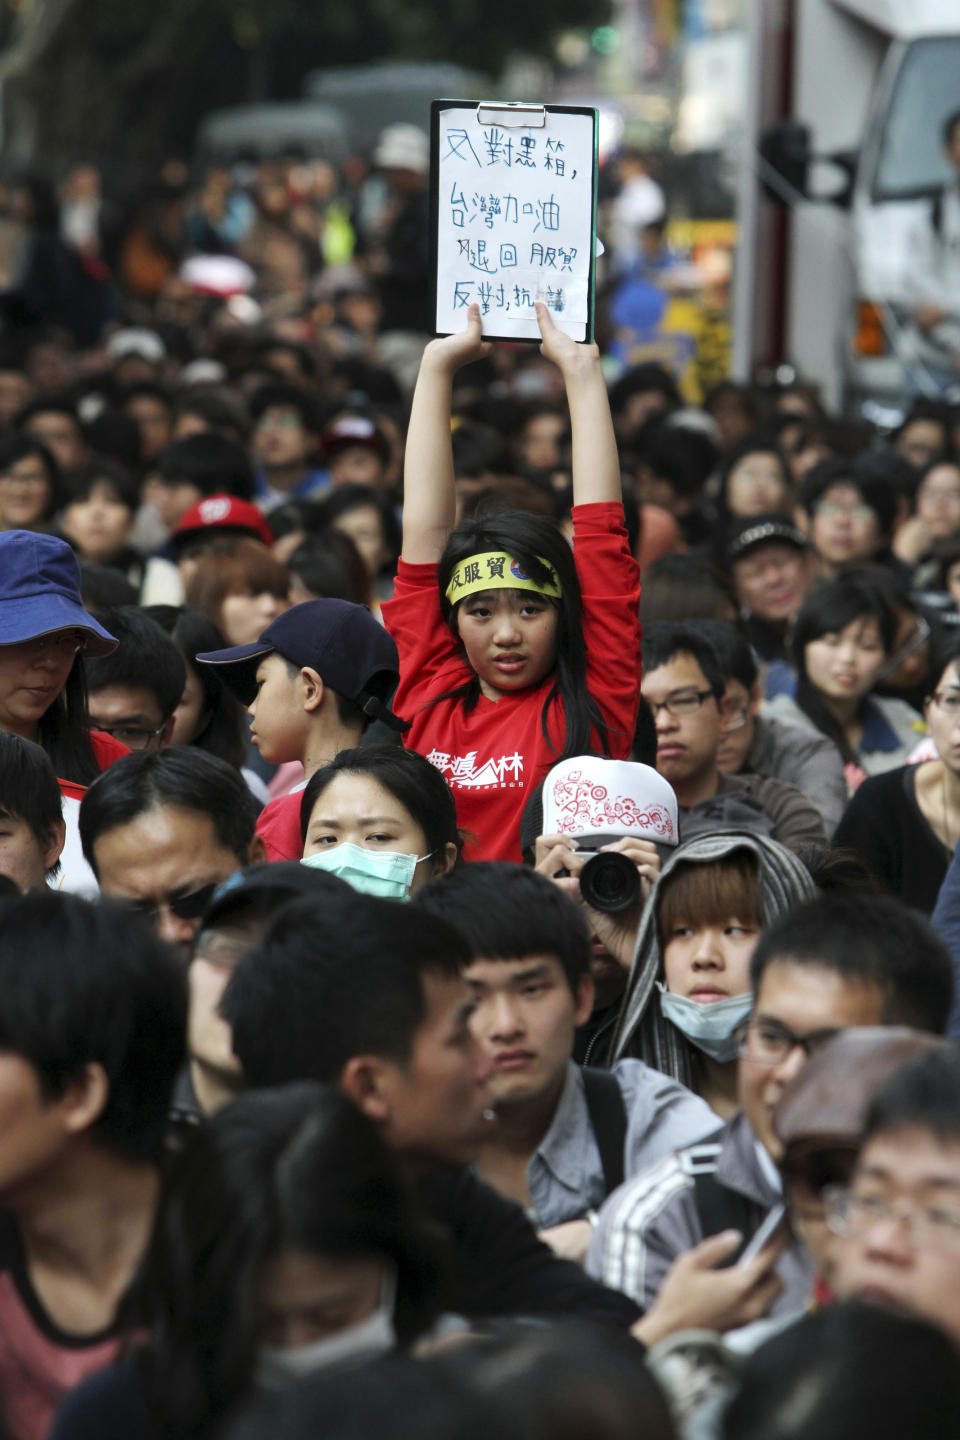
{"x": 203, "y": 464}
{"x": 92, "y": 1016}
{"x": 286, "y": 444}
{"x": 32, "y": 829}
{"x": 162, "y": 829}
{"x": 684, "y": 686}
{"x": 565, "y": 1137}
{"x": 369, "y": 994}
{"x": 838, "y": 961}
{"x": 53, "y": 420}
{"x": 133, "y": 692}
{"x": 899, "y": 1222}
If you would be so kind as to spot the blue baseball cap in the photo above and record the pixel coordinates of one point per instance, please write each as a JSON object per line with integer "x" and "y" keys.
{"x": 40, "y": 592}
{"x": 348, "y": 648}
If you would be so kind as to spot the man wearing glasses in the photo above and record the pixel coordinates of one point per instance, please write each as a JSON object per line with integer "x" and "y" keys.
{"x": 684, "y": 686}
{"x": 133, "y": 692}
{"x": 162, "y": 830}
{"x": 838, "y": 961}
{"x": 899, "y": 1221}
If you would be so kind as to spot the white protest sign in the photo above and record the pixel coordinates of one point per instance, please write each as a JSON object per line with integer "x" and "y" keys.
{"x": 514, "y": 220}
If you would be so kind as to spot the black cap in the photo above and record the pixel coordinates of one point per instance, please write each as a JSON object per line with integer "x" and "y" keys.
{"x": 350, "y": 651}
{"x": 756, "y": 530}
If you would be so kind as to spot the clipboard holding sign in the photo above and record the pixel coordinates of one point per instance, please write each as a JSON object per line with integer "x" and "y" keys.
{"x": 513, "y": 216}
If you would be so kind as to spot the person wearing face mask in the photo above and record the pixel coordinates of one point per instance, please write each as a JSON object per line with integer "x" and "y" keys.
{"x": 381, "y": 818}
{"x": 689, "y": 986}
{"x": 287, "y": 1245}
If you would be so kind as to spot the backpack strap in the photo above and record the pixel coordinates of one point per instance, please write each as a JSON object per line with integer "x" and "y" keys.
{"x": 936, "y": 215}
{"x": 608, "y": 1119}
{"x": 718, "y": 1207}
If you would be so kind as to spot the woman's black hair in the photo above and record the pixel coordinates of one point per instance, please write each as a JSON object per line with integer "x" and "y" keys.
{"x": 531, "y": 540}
{"x": 756, "y": 444}
{"x": 418, "y": 785}
{"x": 64, "y": 731}
{"x": 868, "y": 475}
{"x": 345, "y": 498}
{"x": 79, "y": 485}
{"x": 684, "y": 587}
{"x": 329, "y": 565}
{"x": 829, "y": 608}
{"x": 946, "y": 651}
{"x": 564, "y": 1381}
{"x": 297, "y": 1167}
{"x": 945, "y": 553}
{"x": 222, "y": 731}
{"x": 15, "y": 447}
{"x": 850, "y": 1369}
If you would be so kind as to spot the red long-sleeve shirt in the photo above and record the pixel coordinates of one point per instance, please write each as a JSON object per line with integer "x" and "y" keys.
{"x": 495, "y": 754}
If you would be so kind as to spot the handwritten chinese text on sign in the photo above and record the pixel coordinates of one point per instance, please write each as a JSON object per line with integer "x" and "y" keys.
{"x": 515, "y": 222}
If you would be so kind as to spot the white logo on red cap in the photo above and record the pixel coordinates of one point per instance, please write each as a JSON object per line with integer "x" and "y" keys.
{"x": 215, "y": 509}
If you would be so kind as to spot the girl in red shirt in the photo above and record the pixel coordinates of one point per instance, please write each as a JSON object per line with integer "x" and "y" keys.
{"x": 515, "y": 652}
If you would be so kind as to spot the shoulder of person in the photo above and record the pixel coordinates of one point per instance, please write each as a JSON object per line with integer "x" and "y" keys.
{"x": 641, "y": 1084}
{"x": 902, "y": 716}
{"x": 784, "y": 708}
{"x": 106, "y": 1406}
{"x": 882, "y": 789}
{"x": 768, "y": 789}
{"x": 641, "y": 1200}
{"x": 788, "y": 734}
{"x": 661, "y": 1112}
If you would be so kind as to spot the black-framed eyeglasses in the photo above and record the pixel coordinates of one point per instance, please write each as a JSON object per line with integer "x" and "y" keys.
{"x": 768, "y": 1043}
{"x": 190, "y": 905}
{"x": 738, "y": 713}
{"x": 681, "y": 702}
{"x": 947, "y": 700}
{"x": 856, "y": 1210}
{"x": 135, "y": 737}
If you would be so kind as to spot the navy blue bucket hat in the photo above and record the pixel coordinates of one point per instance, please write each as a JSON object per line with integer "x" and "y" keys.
{"x": 40, "y": 592}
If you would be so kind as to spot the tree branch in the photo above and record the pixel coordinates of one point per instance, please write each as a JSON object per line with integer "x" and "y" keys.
{"x": 36, "y": 29}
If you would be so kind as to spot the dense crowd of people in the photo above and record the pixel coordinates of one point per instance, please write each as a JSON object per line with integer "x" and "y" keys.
{"x": 478, "y": 842}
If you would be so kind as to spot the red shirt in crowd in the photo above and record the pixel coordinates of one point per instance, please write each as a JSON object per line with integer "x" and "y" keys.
{"x": 494, "y": 755}
{"x": 278, "y": 826}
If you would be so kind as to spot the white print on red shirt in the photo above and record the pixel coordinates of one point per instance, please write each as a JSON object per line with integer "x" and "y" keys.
{"x": 583, "y": 806}
{"x": 465, "y": 773}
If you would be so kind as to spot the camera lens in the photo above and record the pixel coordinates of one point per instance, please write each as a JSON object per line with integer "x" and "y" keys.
{"x": 610, "y": 882}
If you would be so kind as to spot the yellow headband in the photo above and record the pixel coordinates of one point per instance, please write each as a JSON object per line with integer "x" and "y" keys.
{"x": 496, "y": 570}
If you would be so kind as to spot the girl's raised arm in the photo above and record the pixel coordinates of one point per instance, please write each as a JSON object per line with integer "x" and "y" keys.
{"x": 429, "y": 500}
{"x": 595, "y": 462}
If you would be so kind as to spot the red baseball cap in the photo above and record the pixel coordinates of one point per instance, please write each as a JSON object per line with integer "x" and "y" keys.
{"x": 221, "y": 512}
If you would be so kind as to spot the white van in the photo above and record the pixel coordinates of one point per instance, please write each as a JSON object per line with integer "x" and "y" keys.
{"x": 872, "y": 83}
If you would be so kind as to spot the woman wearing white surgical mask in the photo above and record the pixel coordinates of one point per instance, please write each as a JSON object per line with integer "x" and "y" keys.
{"x": 287, "y": 1245}
{"x": 382, "y": 818}
{"x": 689, "y": 987}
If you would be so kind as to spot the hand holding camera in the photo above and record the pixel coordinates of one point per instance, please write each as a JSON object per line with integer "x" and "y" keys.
{"x": 612, "y": 882}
